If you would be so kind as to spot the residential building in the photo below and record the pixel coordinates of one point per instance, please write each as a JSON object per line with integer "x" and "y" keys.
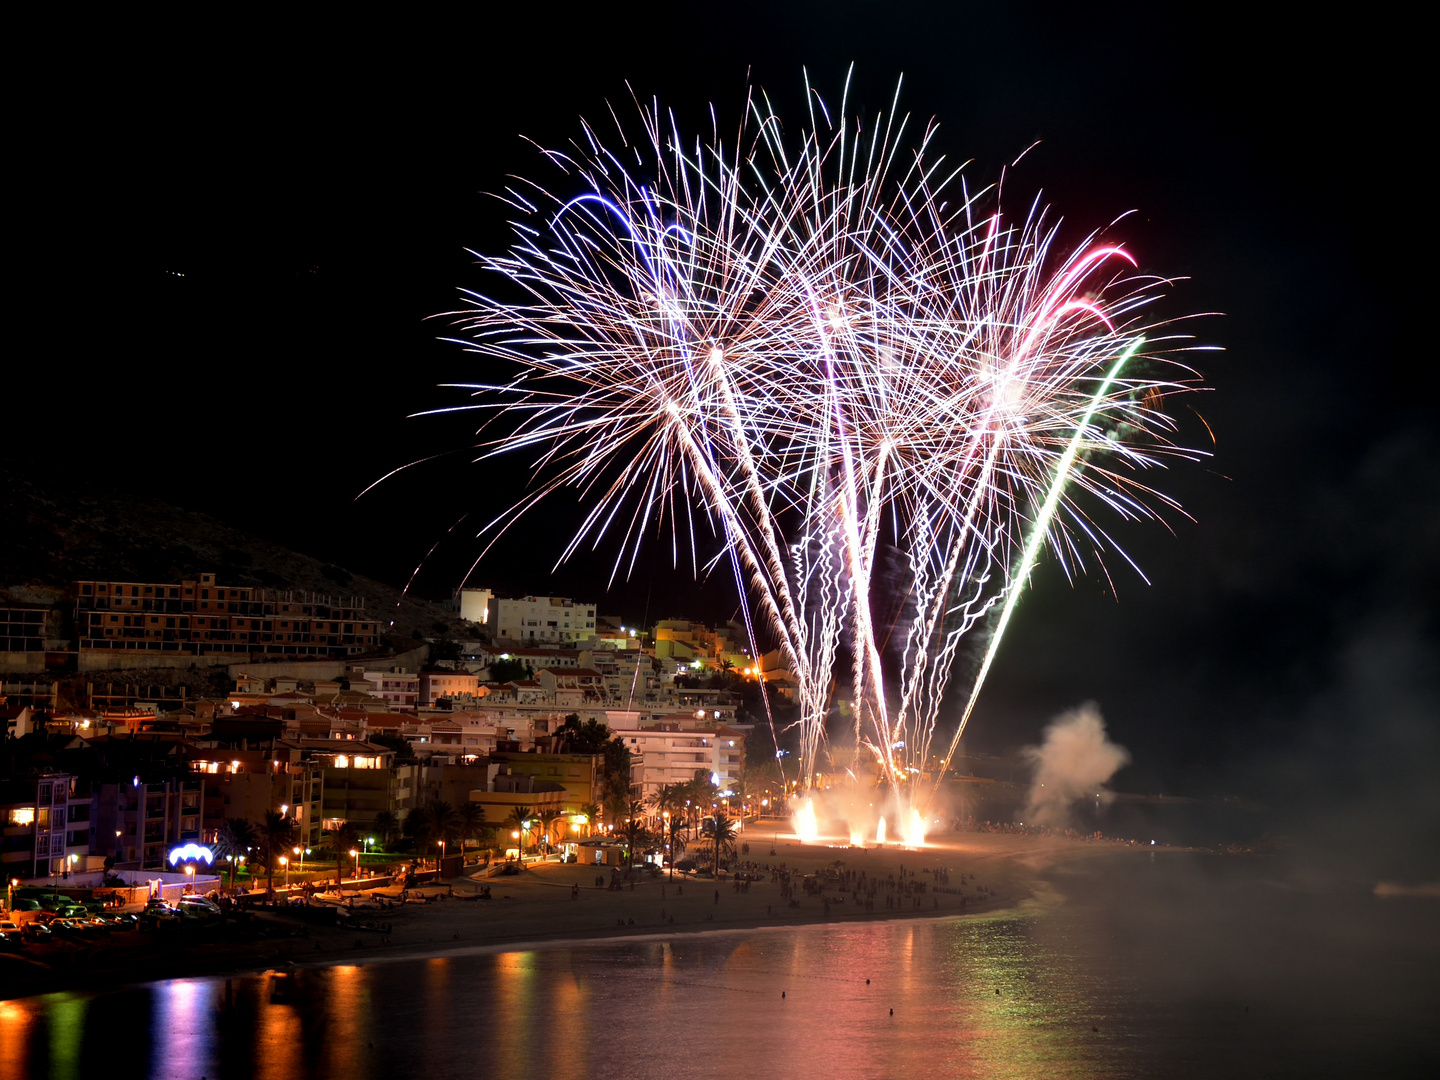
{"x": 205, "y": 618}
{"x": 22, "y": 629}
{"x": 676, "y": 746}
{"x": 459, "y": 686}
{"x": 398, "y": 689}
{"x": 579, "y": 774}
{"x": 532, "y": 620}
{"x": 44, "y": 821}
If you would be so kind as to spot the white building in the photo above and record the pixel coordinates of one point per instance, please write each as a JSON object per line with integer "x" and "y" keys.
{"x": 677, "y": 745}
{"x": 533, "y": 620}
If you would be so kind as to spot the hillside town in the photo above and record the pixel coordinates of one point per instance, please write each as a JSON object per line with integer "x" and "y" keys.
{"x": 177, "y": 713}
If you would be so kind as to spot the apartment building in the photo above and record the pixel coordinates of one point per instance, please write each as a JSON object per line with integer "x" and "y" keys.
{"x": 22, "y": 629}
{"x": 205, "y": 618}
{"x": 399, "y": 690}
{"x": 532, "y": 620}
{"x": 44, "y": 821}
{"x": 675, "y": 746}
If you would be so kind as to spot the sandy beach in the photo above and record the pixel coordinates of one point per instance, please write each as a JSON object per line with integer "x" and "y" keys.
{"x": 984, "y": 873}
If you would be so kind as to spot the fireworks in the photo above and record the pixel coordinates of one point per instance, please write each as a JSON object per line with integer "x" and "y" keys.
{"x": 880, "y": 394}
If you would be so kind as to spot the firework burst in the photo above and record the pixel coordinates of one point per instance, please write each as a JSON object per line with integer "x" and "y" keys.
{"x": 825, "y": 354}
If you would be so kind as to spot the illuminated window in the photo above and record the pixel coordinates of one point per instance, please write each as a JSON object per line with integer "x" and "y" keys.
{"x": 24, "y": 815}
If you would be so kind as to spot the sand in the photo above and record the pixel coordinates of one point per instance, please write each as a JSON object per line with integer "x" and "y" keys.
{"x": 540, "y": 905}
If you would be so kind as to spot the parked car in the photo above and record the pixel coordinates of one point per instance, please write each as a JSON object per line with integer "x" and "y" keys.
{"x": 35, "y": 931}
{"x": 197, "y": 907}
{"x": 10, "y": 932}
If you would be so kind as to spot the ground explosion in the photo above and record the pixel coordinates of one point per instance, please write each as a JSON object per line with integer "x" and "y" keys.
{"x": 884, "y": 398}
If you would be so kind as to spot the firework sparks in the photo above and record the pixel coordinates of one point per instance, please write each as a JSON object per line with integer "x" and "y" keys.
{"x": 818, "y": 354}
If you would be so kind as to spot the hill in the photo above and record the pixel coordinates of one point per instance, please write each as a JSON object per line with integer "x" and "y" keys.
{"x": 58, "y": 532}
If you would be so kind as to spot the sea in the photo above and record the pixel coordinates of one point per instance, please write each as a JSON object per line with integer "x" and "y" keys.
{"x": 1142, "y": 963}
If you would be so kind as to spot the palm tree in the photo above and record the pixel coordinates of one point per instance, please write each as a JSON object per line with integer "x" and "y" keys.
{"x": 387, "y": 825}
{"x": 547, "y": 819}
{"x": 721, "y": 833}
{"x": 635, "y": 831}
{"x": 519, "y": 821}
{"x": 442, "y": 822}
{"x": 471, "y": 823}
{"x": 233, "y": 842}
{"x": 591, "y": 812}
{"x": 278, "y": 831}
{"x": 615, "y": 807}
{"x": 670, "y": 804}
{"x": 701, "y": 793}
{"x": 346, "y": 837}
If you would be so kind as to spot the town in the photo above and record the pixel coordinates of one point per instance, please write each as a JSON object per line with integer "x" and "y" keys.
{"x": 302, "y": 720}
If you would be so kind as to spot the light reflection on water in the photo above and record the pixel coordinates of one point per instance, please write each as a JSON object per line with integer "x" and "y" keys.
{"x": 1084, "y": 990}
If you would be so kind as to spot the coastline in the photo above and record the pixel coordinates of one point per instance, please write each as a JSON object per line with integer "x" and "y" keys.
{"x": 991, "y": 875}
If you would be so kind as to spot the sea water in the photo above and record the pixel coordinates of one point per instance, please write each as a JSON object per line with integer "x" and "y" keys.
{"x": 1137, "y": 964}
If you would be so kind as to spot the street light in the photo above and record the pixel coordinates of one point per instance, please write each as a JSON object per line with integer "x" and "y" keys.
{"x": 519, "y": 854}
{"x": 356, "y": 853}
{"x": 285, "y": 862}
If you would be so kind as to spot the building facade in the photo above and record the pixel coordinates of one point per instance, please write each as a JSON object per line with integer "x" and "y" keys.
{"x": 205, "y": 618}
{"x": 534, "y": 620}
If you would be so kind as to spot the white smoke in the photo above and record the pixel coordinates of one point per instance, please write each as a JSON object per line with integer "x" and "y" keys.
{"x": 1075, "y": 762}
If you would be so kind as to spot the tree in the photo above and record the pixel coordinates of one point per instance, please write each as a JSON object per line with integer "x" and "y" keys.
{"x": 346, "y": 837}
{"x": 436, "y": 822}
{"x": 519, "y": 821}
{"x": 701, "y": 792}
{"x": 547, "y": 819}
{"x": 278, "y": 831}
{"x": 444, "y": 649}
{"x": 471, "y": 823}
{"x": 511, "y": 670}
{"x": 387, "y": 825}
{"x": 591, "y": 813}
{"x": 669, "y": 802}
{"x": 591, "y": 737}
{"x": 634, "y": 829}
{"x": 233, "y": 842}
{"x": 720, "y": 833}
{"x": 616, "y": 803}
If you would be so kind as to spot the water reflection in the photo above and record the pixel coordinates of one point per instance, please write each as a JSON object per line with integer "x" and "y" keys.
{"x": 1074, "y": 993}
{"x": 691, "y": 1005}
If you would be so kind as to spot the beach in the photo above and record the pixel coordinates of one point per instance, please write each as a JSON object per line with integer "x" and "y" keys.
{"x": 967, "y": 874}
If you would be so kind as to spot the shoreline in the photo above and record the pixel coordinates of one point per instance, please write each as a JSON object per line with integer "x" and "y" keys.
{"x": 990, "y": 875}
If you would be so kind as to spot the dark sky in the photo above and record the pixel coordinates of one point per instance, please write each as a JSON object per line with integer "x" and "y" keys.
{"x": 316, "y": 185}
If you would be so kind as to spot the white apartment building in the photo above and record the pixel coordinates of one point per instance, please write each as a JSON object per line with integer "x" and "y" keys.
{"x": 535, "y": 620}
{"x": 675, "y": 746}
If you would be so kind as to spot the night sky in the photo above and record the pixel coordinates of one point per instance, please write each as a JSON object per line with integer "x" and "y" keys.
{"x": 316, "y": 186}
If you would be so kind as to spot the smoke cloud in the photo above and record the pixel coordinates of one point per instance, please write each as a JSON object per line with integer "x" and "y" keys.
{"x": 1074, "y": 762}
